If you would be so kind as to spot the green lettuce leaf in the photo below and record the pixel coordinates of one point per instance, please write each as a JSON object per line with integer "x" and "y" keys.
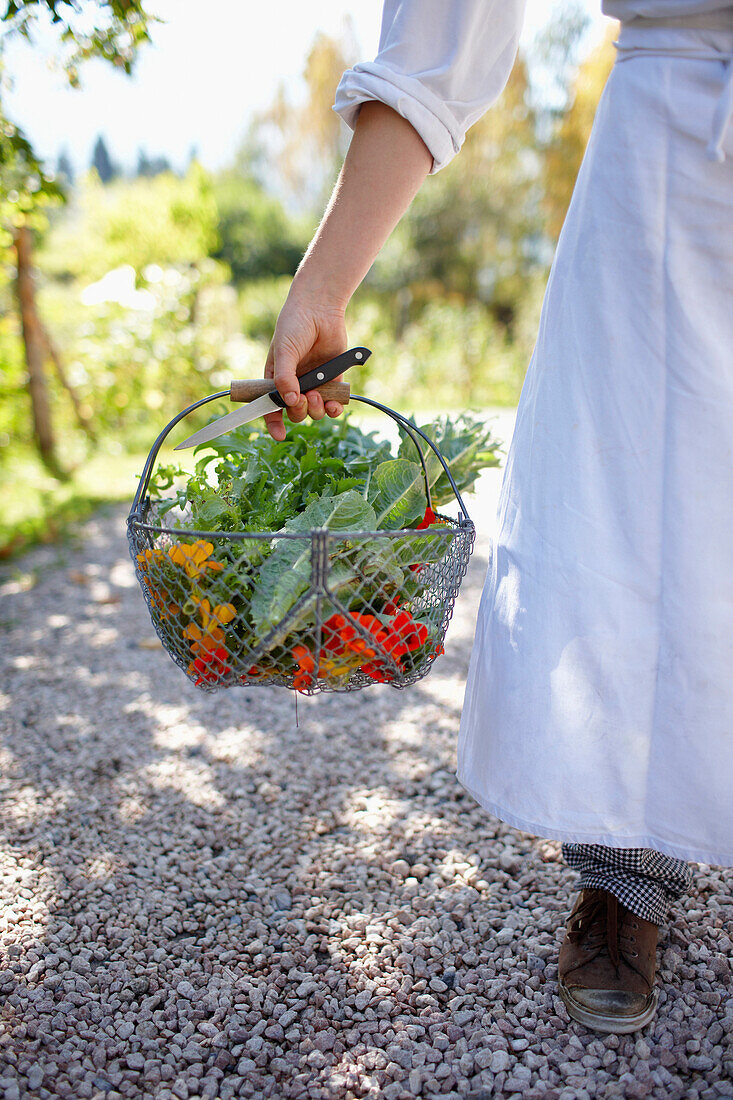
{"x": 286, "y": 574}
{"x": 467, "y": 446}
{"x": 397, "y": 493}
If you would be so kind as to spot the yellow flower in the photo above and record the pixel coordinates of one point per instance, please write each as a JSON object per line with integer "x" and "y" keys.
{"x": 193, "y": 558}
{"x": 150, "y": 557}
{"x": 204, "y": 641}
{"x": 222, "y": 614}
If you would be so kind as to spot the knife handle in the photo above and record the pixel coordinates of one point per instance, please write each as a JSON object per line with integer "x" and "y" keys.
{"x": 315, "y": 378}
{"x": 249, "y": 389}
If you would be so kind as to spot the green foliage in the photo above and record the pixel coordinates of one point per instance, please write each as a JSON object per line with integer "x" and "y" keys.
{"x": 164, "y": 220}
{"x": 286, "y": 574}
{"x": 112, "y": 30}
{"x": 25, "y": 185}
{"x": 39, "y": 508}
{"x": 14, "y": 401}
{"x": 137, "y": 350}
{"x": 257, "y": 238}
{"x": 397, "y": 493}
{"x": 465, "y": 443}
{"x": 452, "y": 353}
{"x": 247, "y": 481}
{"x": 102, "y": 161}
{"x": 260, "y": 302}
{"x": 331, "y": 476}
{"x": 262, "y": 483}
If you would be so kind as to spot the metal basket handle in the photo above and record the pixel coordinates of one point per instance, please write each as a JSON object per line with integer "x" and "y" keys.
{"x": 401, "y": 421}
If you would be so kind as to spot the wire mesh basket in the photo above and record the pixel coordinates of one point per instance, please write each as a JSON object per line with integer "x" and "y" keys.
{"x": 328, "y": 609}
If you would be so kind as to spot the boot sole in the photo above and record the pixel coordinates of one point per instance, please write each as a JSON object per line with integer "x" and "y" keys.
{"x": 619, "y": 1025}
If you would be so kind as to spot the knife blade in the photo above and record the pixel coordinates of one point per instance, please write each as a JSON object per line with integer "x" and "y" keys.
{"x": 272, "y": 401}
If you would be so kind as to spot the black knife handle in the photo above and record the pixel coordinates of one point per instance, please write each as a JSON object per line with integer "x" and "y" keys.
{"x": 312, "y": 379}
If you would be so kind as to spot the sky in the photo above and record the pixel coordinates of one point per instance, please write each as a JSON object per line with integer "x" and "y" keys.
{"x": 200, "y": 82}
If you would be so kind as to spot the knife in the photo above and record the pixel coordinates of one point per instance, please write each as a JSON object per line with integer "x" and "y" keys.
{"x": 272, "y": 401}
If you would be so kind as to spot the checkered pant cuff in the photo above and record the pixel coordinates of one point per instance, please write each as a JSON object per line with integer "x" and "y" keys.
{"x": 644, "y": 880}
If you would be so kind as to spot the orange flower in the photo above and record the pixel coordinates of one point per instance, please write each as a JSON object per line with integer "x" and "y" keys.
{"x": 303, "y": 658}
{"x": 206, "y": 640}
{"x": 412, "y": 633}
{"x": 302, "y": 680}
{"x": 345, "y": 649}
{"x": 305, "y": 661}
{"x": 194, "y": 558}
{"x": 158, "y": 597}
{"x": 378, "y": 671}
{"x": 222, "y": 614}
{"x": 203, "y": 641}
{"x": 151, "y": 556}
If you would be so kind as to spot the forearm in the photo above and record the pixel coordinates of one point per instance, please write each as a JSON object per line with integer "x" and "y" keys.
{"x": 386, "y": 163}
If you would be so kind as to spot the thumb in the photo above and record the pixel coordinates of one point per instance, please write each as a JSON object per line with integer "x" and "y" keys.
{"x": 284, "y": 374}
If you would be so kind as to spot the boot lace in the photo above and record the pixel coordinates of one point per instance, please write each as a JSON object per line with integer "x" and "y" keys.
{"x": 597, "y": 924}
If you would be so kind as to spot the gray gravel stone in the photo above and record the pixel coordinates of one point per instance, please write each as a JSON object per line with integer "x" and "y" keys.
{"x": 202, "y": 899}
{"x": 500, "y": 1061}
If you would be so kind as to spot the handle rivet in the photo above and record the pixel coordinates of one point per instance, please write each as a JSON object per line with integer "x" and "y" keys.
{"x": 357, "y": 355}
{"x": 320, "y": 376}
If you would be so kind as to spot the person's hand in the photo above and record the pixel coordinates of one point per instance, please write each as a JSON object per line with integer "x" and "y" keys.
{"x": 306, "y": 335}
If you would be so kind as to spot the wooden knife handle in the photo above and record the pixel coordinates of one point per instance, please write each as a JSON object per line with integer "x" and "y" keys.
{"x": 248, "y": 389}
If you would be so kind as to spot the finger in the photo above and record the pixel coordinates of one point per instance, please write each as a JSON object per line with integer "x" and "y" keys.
{"x": 270, "y": 362}
{"x": 285, "y": 374}
{"x": 298, "y": 412}
{"x": 275, "y": 427}
{"x": 316, "y": 407}
{"x": 334, "y": 408}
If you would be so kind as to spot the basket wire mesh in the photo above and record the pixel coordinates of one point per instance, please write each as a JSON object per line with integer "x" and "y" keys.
{"x": 324, "y": 610}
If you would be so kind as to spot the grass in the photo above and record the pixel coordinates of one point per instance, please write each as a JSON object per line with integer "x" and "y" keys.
{"x": 37, "y": 508}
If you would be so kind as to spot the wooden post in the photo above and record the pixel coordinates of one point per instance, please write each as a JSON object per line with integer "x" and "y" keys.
{"x": 34, "y": 349}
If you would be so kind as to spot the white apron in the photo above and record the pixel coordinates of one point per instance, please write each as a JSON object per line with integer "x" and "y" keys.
{"x": 599, "y": 698}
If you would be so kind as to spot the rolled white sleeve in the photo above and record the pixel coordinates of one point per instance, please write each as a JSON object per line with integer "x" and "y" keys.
{"x": 441, "y": 64}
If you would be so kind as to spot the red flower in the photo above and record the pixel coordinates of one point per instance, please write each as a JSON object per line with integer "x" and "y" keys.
{"x": 413, "y": 634}
{"x": 344, "y": 648}
{"x": 211, "y": 666}
{"x": 302, "y": 680}
{"x": 428, "y": 518}
{"x": 377, "y": 671}
{"x": 306, "y": 663}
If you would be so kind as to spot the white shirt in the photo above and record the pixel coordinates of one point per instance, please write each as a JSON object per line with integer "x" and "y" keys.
{"x": 442, "y": 63}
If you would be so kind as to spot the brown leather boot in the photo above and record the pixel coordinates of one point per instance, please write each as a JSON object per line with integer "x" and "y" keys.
{"x": 607, "y": 964}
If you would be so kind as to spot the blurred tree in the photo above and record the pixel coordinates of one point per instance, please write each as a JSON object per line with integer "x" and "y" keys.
{"x": 306, "y": 141}
{"x": 257, "y": 237}
{"x": 112, "y": 30}
{"x": 553, "y": 58}
{"x": 25, "y": 189}
{"x": 163, "y": 220}
{"x": 566, "y": 147}
{"x": 65, "y": 170}
{"x": 474, "y": 229}
{"x": 152, "y": 166}
{"x": 102, "y": 161}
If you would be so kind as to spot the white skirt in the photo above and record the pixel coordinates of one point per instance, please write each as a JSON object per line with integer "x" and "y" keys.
{"x": 599, "y": 698}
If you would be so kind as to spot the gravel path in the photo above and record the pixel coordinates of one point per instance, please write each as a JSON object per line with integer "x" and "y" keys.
{"x": 202, "y": 899}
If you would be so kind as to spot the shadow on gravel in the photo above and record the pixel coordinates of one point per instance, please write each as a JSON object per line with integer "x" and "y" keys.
{"x": 202, "y": 899}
